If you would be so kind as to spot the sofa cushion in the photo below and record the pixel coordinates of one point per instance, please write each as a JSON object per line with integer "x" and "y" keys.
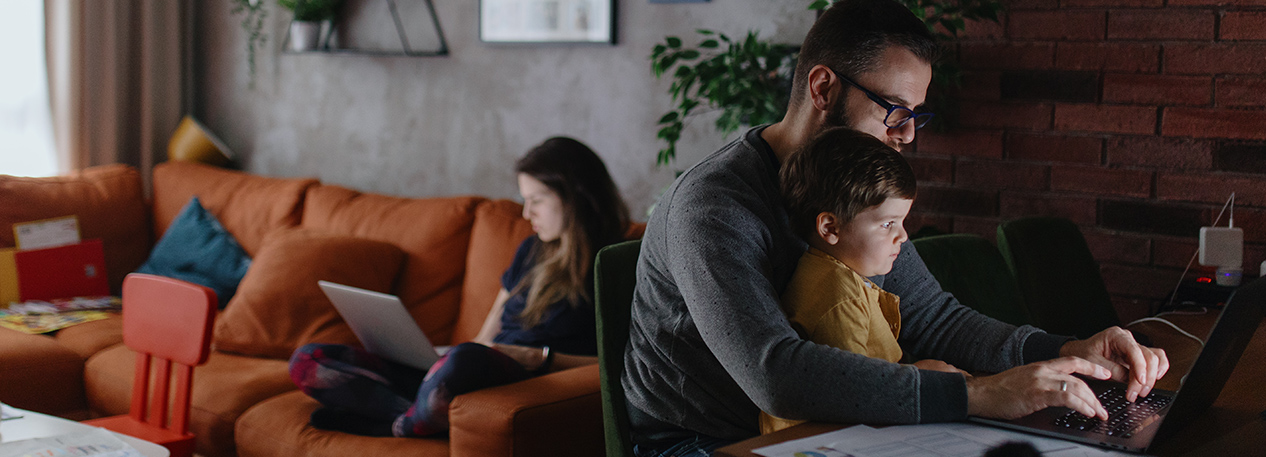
{"x": 278, "y": 427}
{"x": 499, "y": 228}
{"x": 249, "y": 206}
{"x": 107, "y": 200}
{"x": 279, "y": 306}
{"x": 196, "y": 248}
{"x": 433, "y": 232}
{"x": 89, "y": 338}
{"x": 223, "y": 388}
{"x": 39, "y": 374}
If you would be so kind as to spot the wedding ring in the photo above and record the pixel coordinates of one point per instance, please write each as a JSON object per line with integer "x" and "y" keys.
{"x": 1063, "y": 386}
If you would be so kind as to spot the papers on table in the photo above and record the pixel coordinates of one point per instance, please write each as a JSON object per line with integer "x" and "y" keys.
{"x": 96, "y": 443}
{"x": 931, "y": 440}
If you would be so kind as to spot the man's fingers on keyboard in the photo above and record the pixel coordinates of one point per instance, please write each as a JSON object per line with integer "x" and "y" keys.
{"x": 1087, "y": 396}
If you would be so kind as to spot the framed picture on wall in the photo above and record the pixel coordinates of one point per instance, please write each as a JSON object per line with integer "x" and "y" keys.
{"x": 547, "y": 21}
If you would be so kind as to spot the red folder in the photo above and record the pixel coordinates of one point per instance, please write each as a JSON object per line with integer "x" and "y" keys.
{"x": 76, "y": 270}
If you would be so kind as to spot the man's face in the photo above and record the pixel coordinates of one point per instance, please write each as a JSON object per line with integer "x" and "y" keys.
{"x": 901, "y": 79}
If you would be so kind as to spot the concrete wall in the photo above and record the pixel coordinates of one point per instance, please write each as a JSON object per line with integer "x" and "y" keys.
{"x": 435, "y": 126}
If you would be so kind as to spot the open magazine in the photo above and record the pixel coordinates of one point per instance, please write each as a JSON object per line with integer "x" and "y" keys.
{"x": 40, "y": 316}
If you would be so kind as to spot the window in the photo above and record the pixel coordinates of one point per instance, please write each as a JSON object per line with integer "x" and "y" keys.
{"x": 26, "y": 131}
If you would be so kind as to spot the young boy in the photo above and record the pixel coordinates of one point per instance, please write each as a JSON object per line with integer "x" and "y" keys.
{"x": 848, "y": 195}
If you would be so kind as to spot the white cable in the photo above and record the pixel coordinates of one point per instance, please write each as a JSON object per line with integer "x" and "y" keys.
{"x": 1231, "y": 221}
{"x": 1171, "y": 324}
{"x": 1229, "y": 202}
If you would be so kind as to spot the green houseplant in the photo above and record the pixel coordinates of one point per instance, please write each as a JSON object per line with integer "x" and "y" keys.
{"x": 305, "y": 29}
{"x": 749, "y": 80}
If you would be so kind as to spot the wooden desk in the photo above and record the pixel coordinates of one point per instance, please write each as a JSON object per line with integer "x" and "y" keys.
{"x": 1233, "y": 426}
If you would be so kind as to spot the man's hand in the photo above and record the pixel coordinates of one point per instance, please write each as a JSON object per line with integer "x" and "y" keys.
{"x": 1115, "y": 349}
{"x": 1025, "y": 389}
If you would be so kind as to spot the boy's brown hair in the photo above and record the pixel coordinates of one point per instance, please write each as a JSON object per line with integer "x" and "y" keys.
{"x": 842, "y": 172}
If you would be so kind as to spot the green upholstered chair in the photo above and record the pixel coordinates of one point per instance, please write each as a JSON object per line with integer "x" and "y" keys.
{"x": 1057, "y": 275}
{"x": 972, "y": 269}
{"x": 614, "y": 278}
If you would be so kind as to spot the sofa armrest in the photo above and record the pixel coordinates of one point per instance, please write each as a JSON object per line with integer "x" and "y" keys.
{"x": 556, "y": 414}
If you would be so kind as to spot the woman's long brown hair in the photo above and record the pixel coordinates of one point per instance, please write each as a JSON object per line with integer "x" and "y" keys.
{"x": 594, "y": 216}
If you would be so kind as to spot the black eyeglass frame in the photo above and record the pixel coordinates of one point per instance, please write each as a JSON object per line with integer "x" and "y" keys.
{"x": 921, "y": 119}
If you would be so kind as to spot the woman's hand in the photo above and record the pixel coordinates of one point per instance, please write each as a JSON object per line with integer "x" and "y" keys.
{"x": 531, "y": 358}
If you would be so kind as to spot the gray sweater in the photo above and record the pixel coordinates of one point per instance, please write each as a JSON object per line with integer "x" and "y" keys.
{"x": 709, "y": 346}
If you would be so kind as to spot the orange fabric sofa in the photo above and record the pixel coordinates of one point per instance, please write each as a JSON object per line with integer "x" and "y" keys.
{"x": 442, "y": 256}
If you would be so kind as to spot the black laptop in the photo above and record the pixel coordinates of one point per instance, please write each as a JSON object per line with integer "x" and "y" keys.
{"x": 1139, "y": 426}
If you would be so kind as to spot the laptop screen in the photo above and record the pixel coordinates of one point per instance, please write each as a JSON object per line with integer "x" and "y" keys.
{"x": 1222, "y": 350}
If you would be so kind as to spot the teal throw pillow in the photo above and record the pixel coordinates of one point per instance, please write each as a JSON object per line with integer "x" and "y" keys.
{"x": 196, "y": 248}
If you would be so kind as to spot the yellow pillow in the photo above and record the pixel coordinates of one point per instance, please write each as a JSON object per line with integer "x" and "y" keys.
{"x": 194, "y": 142}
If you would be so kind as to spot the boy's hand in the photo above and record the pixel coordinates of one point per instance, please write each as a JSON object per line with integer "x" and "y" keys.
{"x": 937, "y": 365}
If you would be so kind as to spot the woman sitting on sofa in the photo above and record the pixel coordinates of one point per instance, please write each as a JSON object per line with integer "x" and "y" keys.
{"x": 542, "y": 319}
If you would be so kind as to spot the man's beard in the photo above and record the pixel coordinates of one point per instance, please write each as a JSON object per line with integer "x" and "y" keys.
{"x": 837, "y": 116}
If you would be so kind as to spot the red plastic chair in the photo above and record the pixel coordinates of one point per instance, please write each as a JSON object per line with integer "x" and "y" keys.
{"x": 165, "y": 320}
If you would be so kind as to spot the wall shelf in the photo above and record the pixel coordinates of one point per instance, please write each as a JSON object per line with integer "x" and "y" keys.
{"x": 358, "y": 31}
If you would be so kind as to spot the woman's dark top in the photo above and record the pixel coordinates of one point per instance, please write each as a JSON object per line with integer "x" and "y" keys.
{"x": 565, "y": 328}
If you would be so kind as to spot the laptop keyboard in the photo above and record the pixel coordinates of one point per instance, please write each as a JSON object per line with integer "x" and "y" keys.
{"x": 1124, "y": 418}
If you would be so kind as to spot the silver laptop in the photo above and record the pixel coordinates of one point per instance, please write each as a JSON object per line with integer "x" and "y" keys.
{"x": 1141, "y": 425}
{"x": 383, "y": 325}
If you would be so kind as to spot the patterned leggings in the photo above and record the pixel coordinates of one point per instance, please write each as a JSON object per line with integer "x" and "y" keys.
{"x": 369, "y": 388}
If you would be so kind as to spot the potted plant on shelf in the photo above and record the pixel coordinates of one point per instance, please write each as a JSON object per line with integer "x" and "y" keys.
{"x": 749, "y": 80}
{"x": 305, "y": 29}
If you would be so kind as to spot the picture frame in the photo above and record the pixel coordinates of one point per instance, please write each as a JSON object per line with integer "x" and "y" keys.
{"x": 547, "y": 21}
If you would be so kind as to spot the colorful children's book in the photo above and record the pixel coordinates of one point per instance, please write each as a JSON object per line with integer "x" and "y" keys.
{"x": 40, "y": 316}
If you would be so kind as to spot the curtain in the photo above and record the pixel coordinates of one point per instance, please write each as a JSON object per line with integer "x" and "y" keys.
{"x": 118, "y": 72}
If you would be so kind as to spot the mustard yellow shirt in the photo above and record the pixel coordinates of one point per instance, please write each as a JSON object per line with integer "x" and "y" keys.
{"x": 828, "y": 303}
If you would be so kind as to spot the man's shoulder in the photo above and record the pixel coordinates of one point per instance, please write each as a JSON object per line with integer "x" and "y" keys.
{"x": 737, "y": 170}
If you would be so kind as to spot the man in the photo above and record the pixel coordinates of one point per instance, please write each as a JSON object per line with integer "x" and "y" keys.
{"x": 709, "y": 347}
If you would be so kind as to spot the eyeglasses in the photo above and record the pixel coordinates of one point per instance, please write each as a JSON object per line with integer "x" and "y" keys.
{"x": 898, "y": 115}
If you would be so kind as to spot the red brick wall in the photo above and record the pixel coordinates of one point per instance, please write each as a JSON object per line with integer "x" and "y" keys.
{"x": 1134, "y": 118}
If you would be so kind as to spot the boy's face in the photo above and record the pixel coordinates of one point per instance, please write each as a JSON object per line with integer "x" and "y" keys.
{"x": 871, "y": 241}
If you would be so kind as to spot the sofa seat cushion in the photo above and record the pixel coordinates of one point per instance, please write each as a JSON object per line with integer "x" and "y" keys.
{"x": 279, "y": 306}
{"x": 107, "y": 200}
{"x": 434, "y": 233}
{"x": 38, "y": 374}
{"x": 223, "y": 388}
{"x": 89, "y": 338}
{"x": 249, "y": 206}
{"x": 278, "y": 427}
